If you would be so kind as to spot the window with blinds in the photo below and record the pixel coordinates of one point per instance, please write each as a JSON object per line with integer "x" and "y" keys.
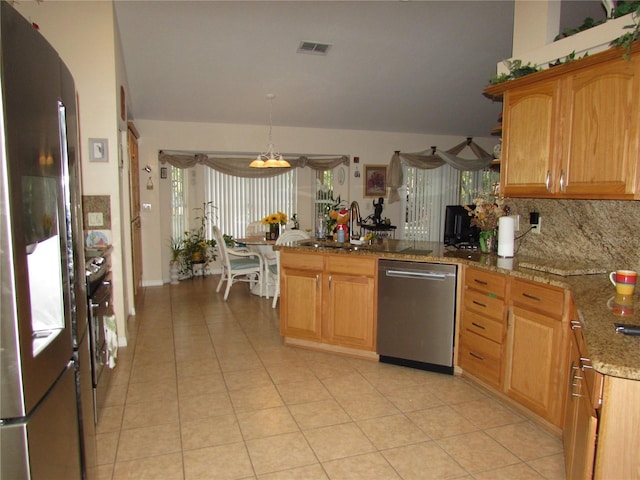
{"x": 428, "y": 192}
{"x": 178, "y": 202}
{"x": 240, "y": 201}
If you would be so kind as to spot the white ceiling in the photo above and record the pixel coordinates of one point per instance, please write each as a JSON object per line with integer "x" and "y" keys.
{"x": 397, "y": 66}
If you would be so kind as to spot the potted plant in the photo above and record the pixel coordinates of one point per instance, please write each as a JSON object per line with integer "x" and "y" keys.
{"x": 196, "y": 249}
{"x": 174, "y": 263}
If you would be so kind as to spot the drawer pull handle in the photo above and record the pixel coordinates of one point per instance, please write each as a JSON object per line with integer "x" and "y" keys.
{"x": 531, "y": 297}
{"x": 575, "y": 324}
{"x": 481, "y": 282}
{"x": 475, "y": 355}
{"x": 576, "y": 395}
{"x": 479, "y": 304}
{"x": 478, "y": 325}
{"x": 584, "y": 360}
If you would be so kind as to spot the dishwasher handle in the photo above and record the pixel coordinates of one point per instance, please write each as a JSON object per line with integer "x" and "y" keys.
{"x": 426, "y": 275}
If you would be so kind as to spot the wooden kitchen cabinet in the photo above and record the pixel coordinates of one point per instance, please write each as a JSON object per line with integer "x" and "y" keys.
{"x": 536, "y": 349}
{"x": 572, "y": 131}
{"x": 483, "y": 327}
{"x": 329, "y": 299}
{"x": 301, "y": 295}
{"x": 581, "y": 421}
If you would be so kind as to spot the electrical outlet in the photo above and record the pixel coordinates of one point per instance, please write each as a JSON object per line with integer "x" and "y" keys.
{"x": 536, "y": 222}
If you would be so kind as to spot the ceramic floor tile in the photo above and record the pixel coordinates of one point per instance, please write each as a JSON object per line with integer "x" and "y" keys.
{"x": 477, "y": 452}
{"x": 392, "y": 431}
{"x": 414, "y": 397}
{"x": 338, "y": 441}
{"x": 148, "y": 442}
{"x": 319, "y": 414}
{"x": 116, "y": 395}
{"x": 368, "y": 405}
{"x": 266, "y": 422}
{"x": 551, "y": 467}
{"x": 104, "y": 472}
{"x": 310, "y": 472}
{"x": 204, "y": 406}
{"x": 519, "y": 471}
{"x": 153, "y": 372}
{"x": 250, "y": 399}
{"x": 222, "y": 462}
{"x": 166, "y": 467}
{"x": 372, "y": 466}
{"x": 303, "y": 392}
{"x": 200, "y": 365}
{"x": 201, "y": 385}
{"x": 423, "y": 461}
{"x": 526, "y": 441}
{"x": 110, "y": 419}
{"x": 152, "y": 391}
{"x": 280, "y": 452}
{"x": 487, "y": 413}
{"x": 283, "y": 373}
{"x": 441, "y": 422}
{"x": 106, "y": 447}
{"x": 209, "y": 432}
{"x": 146, "y": 414}
{"x": 255, "y": 378}
{"x": 453, "y": 390}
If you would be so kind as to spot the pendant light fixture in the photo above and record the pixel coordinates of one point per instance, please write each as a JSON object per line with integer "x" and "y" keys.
{"x": 270, "y": 159}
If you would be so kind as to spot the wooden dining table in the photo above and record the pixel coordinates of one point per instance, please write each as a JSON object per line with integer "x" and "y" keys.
{"x": 264, "y": 247}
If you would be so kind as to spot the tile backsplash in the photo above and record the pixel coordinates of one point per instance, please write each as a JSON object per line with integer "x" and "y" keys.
{"x": 600, "y": 231}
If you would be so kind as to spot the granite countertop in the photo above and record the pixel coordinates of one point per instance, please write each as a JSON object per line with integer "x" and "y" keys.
{"x": 611, "y": 353}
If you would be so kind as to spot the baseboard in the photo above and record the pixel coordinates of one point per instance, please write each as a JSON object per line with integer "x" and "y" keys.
{"x": 325, "y": 347}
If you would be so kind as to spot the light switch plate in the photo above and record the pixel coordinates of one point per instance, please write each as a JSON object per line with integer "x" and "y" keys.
{"x": 96, "y": 219}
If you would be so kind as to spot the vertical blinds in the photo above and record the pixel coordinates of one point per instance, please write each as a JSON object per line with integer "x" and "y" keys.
{"x": 240, "y": 201}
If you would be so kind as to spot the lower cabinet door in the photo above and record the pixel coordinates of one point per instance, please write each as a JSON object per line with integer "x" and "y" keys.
{"x": 351, "y": 318}
{"x": 301, "y": 304}
{"x": 534, "y": 377}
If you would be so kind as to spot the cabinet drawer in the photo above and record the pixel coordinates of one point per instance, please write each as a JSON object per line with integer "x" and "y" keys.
{"x": 351, "y": 265}
{"x": 480, "y": 357}
{"x": 484, "y": 304}
{"x": 302, "y": 261}
{"x": 486, "y": 281}
{"x": 535, "y": 296}
{"x": 483, "y": 326}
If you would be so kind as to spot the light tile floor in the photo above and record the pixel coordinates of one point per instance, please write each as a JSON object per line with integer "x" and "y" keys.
{"x": 206, "y": 390}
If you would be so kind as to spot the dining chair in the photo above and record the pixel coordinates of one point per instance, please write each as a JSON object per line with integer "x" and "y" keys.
{"x": 273, "y": 268}
{"x": 238, "y": 265}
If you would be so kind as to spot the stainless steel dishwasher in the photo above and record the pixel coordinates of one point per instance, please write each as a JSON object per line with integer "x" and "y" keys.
{"x": 416, "y": 314}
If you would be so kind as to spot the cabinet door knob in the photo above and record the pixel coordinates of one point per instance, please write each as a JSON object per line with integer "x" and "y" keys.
{"x": 562, "y": 185}
{"x": 547, "y": 181}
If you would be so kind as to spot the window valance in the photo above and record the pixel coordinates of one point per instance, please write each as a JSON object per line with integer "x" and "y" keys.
{"x": 434, "y": 158}
{"x": 239, "y": 165}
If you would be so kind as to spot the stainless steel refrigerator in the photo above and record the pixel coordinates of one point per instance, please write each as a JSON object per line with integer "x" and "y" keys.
{"x": 43, "y": 297}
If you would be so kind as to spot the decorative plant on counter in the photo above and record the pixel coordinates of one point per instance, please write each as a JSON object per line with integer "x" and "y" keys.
{"x": 484, "y": 215}
{"x": 195, "y": 247}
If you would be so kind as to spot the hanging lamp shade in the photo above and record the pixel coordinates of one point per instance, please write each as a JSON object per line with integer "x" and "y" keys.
{"x": 270, "y": 159}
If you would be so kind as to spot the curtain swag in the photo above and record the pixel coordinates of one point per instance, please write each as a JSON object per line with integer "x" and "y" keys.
{"x": 239, "y": 166}
{"x": 434, "y": 158}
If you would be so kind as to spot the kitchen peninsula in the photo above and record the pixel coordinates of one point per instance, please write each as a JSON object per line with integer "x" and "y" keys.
{"x": 584, "y": 292}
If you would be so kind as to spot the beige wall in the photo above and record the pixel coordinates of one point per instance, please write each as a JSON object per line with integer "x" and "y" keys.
{"x": 373, "y": 148}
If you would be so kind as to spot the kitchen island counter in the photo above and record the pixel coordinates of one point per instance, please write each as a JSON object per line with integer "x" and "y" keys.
{"x": 611, "y": 353}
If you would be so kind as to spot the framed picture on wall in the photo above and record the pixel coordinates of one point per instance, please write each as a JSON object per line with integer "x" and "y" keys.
{"x": 375, "y": 180}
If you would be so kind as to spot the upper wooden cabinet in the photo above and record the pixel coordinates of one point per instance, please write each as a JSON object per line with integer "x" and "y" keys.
{"x": 572, "y": 131}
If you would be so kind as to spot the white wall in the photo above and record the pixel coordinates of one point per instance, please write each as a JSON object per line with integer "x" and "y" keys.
{"x": 83, "y": 34}
{"x": 373, "y": 148}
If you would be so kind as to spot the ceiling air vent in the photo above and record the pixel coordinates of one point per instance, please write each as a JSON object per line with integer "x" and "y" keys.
{"x": 314, "y": 48}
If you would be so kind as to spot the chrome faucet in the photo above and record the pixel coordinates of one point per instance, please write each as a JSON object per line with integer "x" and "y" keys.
{"x": 354, "y": 213}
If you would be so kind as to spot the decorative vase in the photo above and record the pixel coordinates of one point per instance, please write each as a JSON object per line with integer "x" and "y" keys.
{"x": 488, "y": 241}
{"x": 174, "y": 268}
{"x": 274, "y": 231}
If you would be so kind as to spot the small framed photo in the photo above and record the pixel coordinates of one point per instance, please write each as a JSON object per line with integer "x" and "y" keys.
{"x": 375, "y": 180}
{"x": 163, "y": 172}
{"x": 98, "y": 150}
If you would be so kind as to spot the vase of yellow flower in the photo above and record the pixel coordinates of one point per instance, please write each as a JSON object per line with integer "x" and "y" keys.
{"x": 275, "y": 221}
{"x": 485, "y": 214}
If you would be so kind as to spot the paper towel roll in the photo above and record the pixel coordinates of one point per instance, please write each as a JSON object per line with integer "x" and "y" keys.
{"x": 506, "y": 234}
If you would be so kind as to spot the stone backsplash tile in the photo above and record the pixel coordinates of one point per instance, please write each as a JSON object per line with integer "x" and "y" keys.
{"x": 602, "y": 231}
